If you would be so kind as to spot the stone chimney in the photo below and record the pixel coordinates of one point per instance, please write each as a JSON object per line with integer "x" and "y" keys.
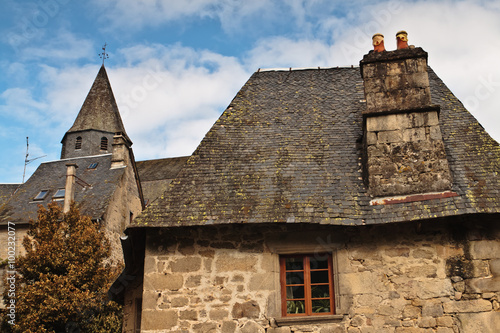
{"x": 404, "y": 149}
{"x": 120, "y": 156}
{"x": 69, "y": 190}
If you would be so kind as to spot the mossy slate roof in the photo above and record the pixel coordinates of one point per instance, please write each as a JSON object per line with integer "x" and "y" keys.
{"x": 160, "y": 169}
{"x": 51, "y": 176}
{"x": 99, "y": 110}
{"x": 288, "y": 150}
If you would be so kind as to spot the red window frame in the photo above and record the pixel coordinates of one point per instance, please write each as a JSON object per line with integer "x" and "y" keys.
{"x": 307, "y": 284}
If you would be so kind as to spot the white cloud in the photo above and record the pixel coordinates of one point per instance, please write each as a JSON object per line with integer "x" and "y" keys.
{"x": 240, "y": 17}
{"x": 284, "y": 52}
{"x": 172, "y": 90}
{"x": 64, "y": 46}
{"x": 19, "y": 103}
{"x": 140, "y": 13}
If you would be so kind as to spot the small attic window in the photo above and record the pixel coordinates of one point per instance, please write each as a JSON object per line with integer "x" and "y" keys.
{"x": 93, "y": 165}
{"x": 78, "y": 143}
{"x": 59, "y": 194}
{"x": 41, "y": 195}
{"x": 104, "y": 143}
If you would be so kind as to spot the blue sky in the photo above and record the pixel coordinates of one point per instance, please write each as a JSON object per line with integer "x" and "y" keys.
{"x": 175, "y": 65}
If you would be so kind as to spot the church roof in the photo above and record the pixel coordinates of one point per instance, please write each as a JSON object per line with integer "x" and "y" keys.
{"x": 288, "y": 149}
{"x": 99, "y": 110}
{"x": 159, "y": 169}
{"x": 93, "y": 190}
{"x": 155, "y": 175}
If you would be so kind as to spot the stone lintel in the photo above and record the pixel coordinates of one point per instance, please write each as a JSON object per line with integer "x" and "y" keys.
{"x": 284, "y": 321}
{"x": 412, "y": 198}
{"x": 428, "y": 108}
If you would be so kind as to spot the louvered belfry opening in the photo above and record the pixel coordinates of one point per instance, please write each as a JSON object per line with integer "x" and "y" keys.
{"x": 104, "y": 143}
{"x": 78, "y": 143}
{"x": 404, "y": 149}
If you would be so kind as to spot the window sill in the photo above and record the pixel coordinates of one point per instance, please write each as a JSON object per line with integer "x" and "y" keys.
{"x": 286, "y": 321}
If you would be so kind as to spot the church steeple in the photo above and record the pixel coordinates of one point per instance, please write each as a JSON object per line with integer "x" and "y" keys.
{"x": 96, "y": 124}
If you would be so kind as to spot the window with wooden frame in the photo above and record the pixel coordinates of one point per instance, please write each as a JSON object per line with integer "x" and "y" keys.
{"x": 307, "y": 285}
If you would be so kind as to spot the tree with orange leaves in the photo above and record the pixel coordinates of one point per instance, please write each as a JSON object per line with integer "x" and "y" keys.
{"x": 64, "y": 276}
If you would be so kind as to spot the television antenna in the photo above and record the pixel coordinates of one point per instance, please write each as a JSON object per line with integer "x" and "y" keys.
{"x": 26, "y": 160}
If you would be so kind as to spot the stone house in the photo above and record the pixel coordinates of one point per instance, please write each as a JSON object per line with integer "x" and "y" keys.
{"x": 360, "y": 199}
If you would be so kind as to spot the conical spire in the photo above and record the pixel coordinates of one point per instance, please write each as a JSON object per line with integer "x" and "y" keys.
{"x": 99, "y": 111}
{"x": 97, "y": 123}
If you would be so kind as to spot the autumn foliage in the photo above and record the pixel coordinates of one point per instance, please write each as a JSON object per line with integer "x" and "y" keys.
{"x": 64, "y": 276}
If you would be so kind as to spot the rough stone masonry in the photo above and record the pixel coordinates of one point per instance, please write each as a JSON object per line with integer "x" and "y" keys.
{"x": 405, "y": 153}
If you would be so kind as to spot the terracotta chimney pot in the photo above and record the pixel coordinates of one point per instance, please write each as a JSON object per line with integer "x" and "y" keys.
{"x": 378, "y": 42}
{"x": 402, "y": 39}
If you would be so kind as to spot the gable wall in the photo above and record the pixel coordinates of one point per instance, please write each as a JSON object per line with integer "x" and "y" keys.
{"x": 427, "y": 277}
{"x": 124, "y": 202}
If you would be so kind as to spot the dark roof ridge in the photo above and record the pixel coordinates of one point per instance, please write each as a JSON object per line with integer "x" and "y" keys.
{"x": 77, "y": 158}
{"x": 290, "y": 69}
{"x": 163, "y": 158}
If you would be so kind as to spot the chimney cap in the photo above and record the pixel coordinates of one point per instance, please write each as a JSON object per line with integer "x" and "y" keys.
{"x": 401, "y": 32}
{"x": 378, "y": 42}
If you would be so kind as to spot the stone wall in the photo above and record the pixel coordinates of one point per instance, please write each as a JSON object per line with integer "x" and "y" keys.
{"x": 436, "y": 276}
{"x": 405, "y": 154}
{"x": 20, "y": 232}
{"x": 122, "y": 208}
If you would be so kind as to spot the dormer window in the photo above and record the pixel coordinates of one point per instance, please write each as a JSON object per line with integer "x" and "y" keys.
{"x": 59, "y": 194}
{"x": 78, "y": 143}
{"x": 104, "y": 143}
{"x": 41, "y": 195}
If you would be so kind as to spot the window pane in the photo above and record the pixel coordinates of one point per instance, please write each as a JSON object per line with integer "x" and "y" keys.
{"x": 60, "y": 193}
{"x": 295, "y": 307}
{"x": 319, "y": 277}
{"x": 319, "y": 263}
{"x": 320, "y": 291}
{"x": 295, "y": 292}
{"x": 295, "y": 278}
{"x": 321, "y": 305}
{"x": 41, "y": 195}
{"x": 294, "y": 264}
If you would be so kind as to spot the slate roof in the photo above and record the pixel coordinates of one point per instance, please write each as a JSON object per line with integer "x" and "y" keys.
{"x": 51, "y": 176}
{"x": 6, "y": 191}
{"x": 155, "y": 175}
{"x": 99, "y": 110}
{"x": 164, "y": 168}
{"x": 288, "y": 149}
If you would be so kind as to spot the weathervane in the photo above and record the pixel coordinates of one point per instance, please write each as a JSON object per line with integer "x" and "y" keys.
{"x": 103, "y": 55}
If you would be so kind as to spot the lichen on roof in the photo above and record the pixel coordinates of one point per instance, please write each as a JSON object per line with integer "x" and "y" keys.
{"x": 288, "y": 150}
